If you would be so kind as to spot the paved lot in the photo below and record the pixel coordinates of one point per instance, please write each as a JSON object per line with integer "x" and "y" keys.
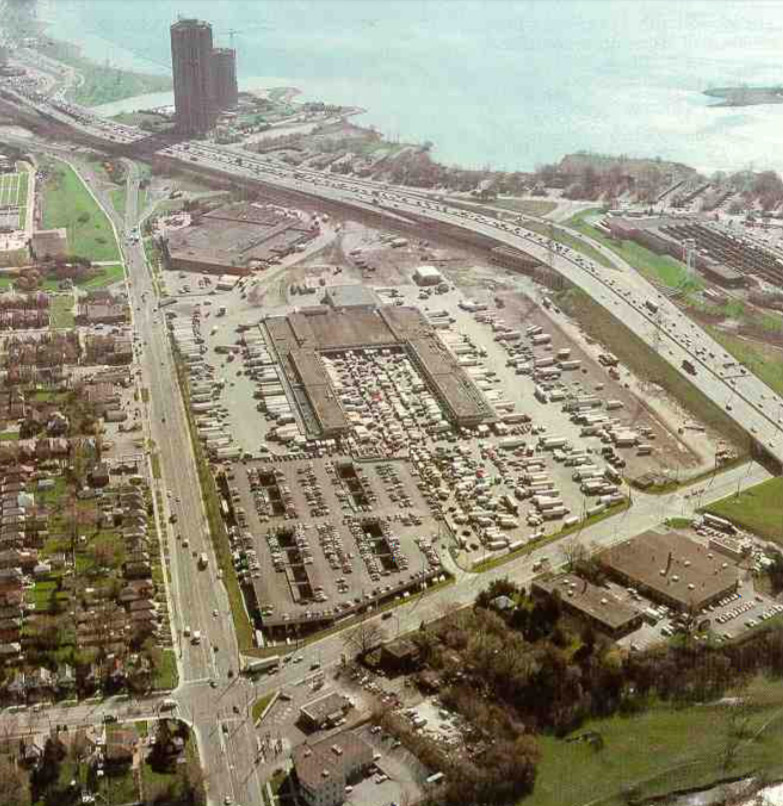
{"x": 332, "y": 538}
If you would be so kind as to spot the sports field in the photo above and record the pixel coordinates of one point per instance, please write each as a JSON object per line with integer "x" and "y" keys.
{"x": 13, "y": 193}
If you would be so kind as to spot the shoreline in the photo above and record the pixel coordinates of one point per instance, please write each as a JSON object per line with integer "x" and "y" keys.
{"x": 399, "y": 121}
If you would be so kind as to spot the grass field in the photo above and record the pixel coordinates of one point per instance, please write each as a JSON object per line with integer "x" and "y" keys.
{"x": 757, "y": 509}
{"x": 67, "y": 203}
{"x": 660, "y": 268}
{"x": 764, "y": 361}
{"x": 61, "y": 311}
{"x": 119, "y": 198}
{"x": 659, "y": 751}
{"x": 535, "y": 207}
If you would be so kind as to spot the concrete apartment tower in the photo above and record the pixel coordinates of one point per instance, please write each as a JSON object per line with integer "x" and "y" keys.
{"x": 191, "y": 63}
{"x": 224, "y": 78}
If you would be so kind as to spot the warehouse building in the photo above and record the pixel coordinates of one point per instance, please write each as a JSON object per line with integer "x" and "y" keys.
{"x": 597, "y": 605}
{"x": 301, "y": 338}
{"x": 236, "y": 239}
{"x": 672, "y": 570}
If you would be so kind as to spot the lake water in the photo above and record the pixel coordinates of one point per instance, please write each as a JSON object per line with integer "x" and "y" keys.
{"x": 504, "y": 83}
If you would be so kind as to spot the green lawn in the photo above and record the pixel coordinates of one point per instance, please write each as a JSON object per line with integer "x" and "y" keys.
{"x": 66, "y": 202}
{"x": 108, "y": 276}
{"x": 9, "y": 436}
{"x": 260, "y": 704}
{"x": 166, "y": 676}
{"x": 61, "y": 311}
{"x": 661, "y": 268}
{"x": 534, "y": 207}
{"x": 764, "y": 361}
{"x": 757, "y": 509}
{"x": 661, "y": 750}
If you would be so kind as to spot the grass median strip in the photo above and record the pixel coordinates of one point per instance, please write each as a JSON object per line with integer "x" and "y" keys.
{"x": 261, "y": 704}
{"x": 209, "y": 494}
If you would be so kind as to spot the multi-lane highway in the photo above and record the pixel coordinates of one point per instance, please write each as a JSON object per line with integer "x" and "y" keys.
{"x": 750, "y": 403}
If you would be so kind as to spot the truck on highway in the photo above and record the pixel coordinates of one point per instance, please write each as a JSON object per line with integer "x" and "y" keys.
{"x": 688, "y": 366}
{"x": 203, "y": 560}
{"x": 263, "y": 665}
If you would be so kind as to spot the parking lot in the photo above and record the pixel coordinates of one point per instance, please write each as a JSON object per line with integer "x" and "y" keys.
{"x": 396, "y": 776}
{"x": 324, "y": 537}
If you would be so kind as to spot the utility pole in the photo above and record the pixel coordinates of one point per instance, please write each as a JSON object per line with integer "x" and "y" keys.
{"x": 689, "y": 251}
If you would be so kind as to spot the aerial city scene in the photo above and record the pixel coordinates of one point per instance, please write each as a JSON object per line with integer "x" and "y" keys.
{"x": 391, "y": 403}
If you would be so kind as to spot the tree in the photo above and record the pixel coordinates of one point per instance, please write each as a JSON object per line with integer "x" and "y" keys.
{"x": 365, "y": 637}
{"x": 48, "y": 771}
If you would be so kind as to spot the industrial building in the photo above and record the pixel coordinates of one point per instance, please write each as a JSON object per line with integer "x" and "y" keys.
{"x": 191, "y": 64}
{"x": 325, "y": 768}
{"x": 672, "y": 570}
{"x": 722, "y": 259}
{"x": 235, "y": 239}
{"x": 225, "y": 93}
{"x": 601, "y": 608}
{"x": 300, "y": 338}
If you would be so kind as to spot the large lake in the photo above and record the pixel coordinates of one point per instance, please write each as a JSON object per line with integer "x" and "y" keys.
{"x": 504, "y": 83}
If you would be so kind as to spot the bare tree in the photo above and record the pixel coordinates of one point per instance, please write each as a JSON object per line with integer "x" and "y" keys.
{"x": 364, "y": 637}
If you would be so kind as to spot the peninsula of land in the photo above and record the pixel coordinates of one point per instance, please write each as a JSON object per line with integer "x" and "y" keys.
{"x": 746, "y": 96}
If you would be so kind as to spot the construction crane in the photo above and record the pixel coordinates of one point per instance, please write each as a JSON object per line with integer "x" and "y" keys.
{"x": 232, "y": 32}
